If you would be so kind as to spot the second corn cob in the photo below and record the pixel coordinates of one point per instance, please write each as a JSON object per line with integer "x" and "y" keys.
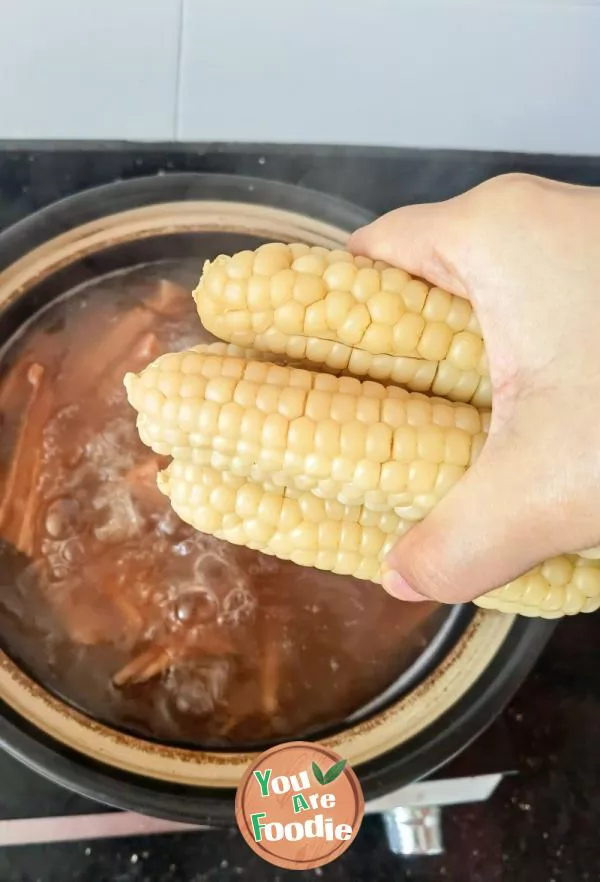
{"x": 356, "y": 442}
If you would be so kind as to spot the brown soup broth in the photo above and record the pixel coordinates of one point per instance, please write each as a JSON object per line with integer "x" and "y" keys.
{"x": 108, "y": 599}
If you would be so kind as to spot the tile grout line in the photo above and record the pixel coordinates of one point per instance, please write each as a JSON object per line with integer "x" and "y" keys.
{"x": 178, "y": 79}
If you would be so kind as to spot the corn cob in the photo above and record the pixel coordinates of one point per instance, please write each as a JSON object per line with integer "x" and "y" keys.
{"x": 235, "y": 480}
{"x": 562, "y": 586}
{"x": 349, "y": 314}
{"x": 356, "y": 442}
{"x": 297, "y": 526}
{"x": 349, "y": 540}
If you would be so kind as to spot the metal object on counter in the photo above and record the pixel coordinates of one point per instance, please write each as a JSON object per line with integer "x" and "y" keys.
{"x": 414, "y": 832}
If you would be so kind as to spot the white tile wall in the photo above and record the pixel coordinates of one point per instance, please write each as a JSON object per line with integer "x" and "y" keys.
{"x": 523, "y": 76}
{"x": 493, "y": 74}
{"x": 96, "y": 69}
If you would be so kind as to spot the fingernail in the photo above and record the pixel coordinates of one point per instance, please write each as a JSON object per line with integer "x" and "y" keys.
{"x": 398, "y": 587}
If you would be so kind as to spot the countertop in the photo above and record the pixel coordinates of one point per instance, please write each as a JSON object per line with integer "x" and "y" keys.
{"x": 541, "y": 824}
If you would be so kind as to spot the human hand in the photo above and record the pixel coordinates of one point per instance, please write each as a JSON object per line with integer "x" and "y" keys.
{"x": 526, "y": 252}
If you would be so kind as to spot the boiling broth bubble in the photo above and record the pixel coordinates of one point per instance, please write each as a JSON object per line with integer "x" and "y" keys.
{"x": 63, "y": 517}
{"x": 195, "y": 604}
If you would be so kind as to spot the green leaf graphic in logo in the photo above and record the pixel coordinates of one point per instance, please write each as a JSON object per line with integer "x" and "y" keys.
{"x": 335, "y": 771}
{"x": 318, "y": 773}
{"x": 331, "y": 774}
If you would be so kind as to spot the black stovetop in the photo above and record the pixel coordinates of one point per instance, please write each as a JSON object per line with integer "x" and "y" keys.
{"x": 541, "y": 824}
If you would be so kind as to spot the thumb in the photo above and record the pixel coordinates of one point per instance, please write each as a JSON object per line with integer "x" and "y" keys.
{"x": 486, "y": 532}
{"x": 421, "y": 239}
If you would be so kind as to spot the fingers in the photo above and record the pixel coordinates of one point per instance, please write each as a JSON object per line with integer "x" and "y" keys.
{"x": 421, "y": 239}
{"x": 481, "y": 536}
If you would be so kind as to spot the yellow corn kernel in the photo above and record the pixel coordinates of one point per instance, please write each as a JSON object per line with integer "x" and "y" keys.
{"x": 317, "y": 299}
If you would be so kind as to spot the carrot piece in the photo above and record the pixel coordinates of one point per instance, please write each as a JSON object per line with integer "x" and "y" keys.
{"x": 18, "y": 505}
{"x": 142, "y": 667}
